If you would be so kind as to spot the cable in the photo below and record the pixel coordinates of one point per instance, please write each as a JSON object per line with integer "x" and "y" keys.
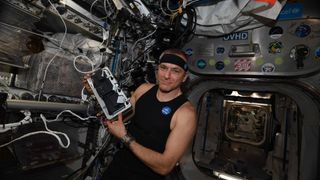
{"x": 74, "y": 114}
{"x": 26, "y": 120}
{"x": 76, "y": 174}
{"x": 93, "y": 69}
{"x": 47, "y": 67}
{"x": 163, "y": 11}
{"x": 133, "y": 46}
{"x": 92, "y": 13}
{"x": 48, "y": 131}
{"x": 172, "y": 10}
{"x": 190, "y": 24}
{"x": 132, "y": 62}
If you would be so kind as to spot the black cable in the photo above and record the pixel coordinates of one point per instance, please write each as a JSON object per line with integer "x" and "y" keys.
{"x": 82, "y": 170}
{"x": 189, "y": 28}
{"x": 138, "y": 57}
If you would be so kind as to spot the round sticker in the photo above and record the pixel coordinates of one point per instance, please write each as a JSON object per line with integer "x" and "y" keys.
{"x": 303, "y": 30}
{"x": 268, "y": 67}
{"x": 278, "y": 61}
{"x": 201, "y": 64}
{"x": 166, "y": 110}
{"x": 212, "y": 62}
{"x": 275, "y": 47}
{"x": 189, "y": 52}
{"x": 317, "y": 54}
{"x": 219, "y": 65}
{"x": 276, "y": 32}
{"x": 227, "y": 61}
{"x": 259, "y": 61}
{"x": 220, "y": 50}
{"x": 242, "y": 65}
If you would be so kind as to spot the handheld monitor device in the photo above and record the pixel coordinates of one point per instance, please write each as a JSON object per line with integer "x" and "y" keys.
{"x": 110, "y": 97}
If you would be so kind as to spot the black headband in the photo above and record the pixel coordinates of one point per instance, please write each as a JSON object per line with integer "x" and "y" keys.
{"x": 174, "y": 59}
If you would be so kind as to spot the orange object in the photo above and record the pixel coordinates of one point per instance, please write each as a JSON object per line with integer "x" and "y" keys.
{"x": 270, "y": 2}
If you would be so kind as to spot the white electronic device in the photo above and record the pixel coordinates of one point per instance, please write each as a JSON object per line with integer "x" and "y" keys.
{"x": 110, "y": 97}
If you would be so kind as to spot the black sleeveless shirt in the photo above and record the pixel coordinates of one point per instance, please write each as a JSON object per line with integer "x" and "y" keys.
{"x": 151, "y": 127}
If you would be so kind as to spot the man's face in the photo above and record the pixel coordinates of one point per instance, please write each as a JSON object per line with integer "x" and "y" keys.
{"x": 170, "y": 77}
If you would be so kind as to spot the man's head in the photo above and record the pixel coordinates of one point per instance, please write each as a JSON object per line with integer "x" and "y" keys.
{"x": 172, "y": 70}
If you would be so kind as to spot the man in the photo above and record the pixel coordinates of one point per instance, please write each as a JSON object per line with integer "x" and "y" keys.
{"x": 161, "y": 129}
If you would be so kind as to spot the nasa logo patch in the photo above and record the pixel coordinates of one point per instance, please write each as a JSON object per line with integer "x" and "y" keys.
{"x": 166, "y": 110}
{"x": 303, "y": 30}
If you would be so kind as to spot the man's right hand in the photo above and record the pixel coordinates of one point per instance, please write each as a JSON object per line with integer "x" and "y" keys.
{"x": 86, "y": 84}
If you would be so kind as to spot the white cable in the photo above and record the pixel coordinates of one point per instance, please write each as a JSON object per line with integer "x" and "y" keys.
{"x": 83, "y": 96}
{"x": 55, "y": 134}
{"x": 163, "y": 11}
{"x": 74, "y": 114}
{"x": 92, "y": 7}
{"x": 47, "y": 67}
{"x": 191, "y": 2}
{"x": 96, "y": 18}
{"x": 133, "y": 46}
{"x": 93, "y": 69}
{"x": 172, "y": 10}
{"x": 3, "y": 130}
{"x": 105, "y": 6}
{"x": 40, "y": 132}
{"x": 48, "y": 131}
{"x": 26, "y": 120}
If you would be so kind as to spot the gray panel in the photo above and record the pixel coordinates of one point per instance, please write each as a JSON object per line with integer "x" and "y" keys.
{"x": 258, "y": 53}
{"x": 308, "y": 106}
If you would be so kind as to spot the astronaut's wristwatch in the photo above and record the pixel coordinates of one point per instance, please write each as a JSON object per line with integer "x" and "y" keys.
{"x": 127, "y": 139}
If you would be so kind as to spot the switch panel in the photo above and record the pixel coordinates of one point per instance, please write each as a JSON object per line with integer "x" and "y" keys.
{"x": 289, "y": 48}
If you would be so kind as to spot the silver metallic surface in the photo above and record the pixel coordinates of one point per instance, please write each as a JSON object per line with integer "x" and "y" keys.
{"x": 303, "y": 95}
{"x": 205, "y": 53}
{"x": 45, "y": 106}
